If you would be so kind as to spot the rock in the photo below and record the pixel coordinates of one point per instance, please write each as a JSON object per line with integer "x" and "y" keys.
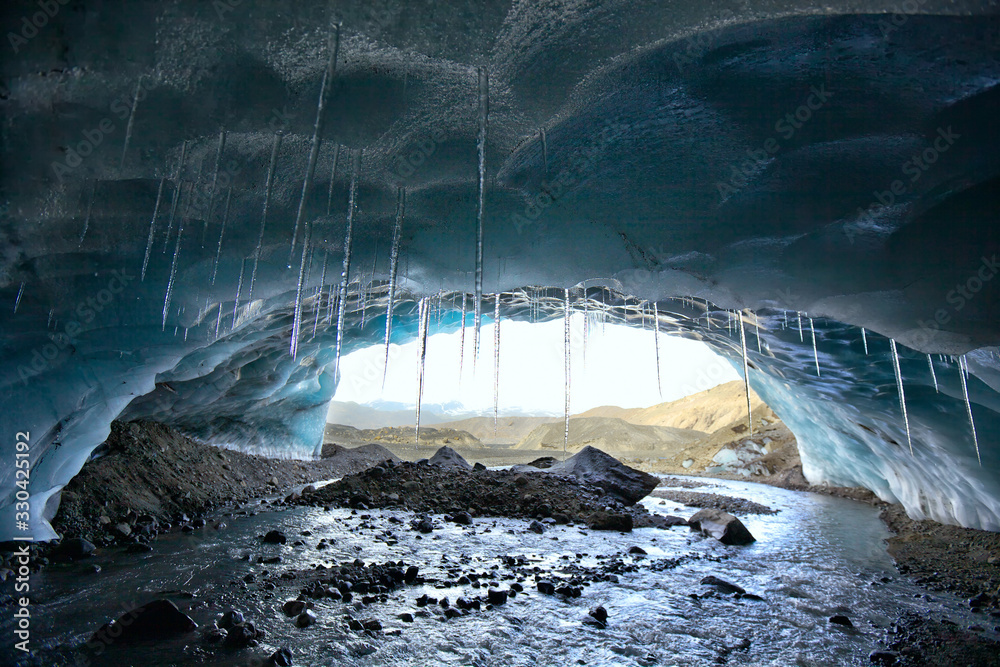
{"x": 159, "y": 619}
{"x": 448, "y": 457}
{"x": 536, "y": 527}
{"x": 462, "y": 519}
{"x": 275, "y": 537}
{"x": 546, "y": 588}
{"x": 687, "y": 463}
{"x": 73, "y": 548}
{"x": 411, "y": 574}
{"x": 722, "y": 526}
{"x": 883, "y": 658}
{"x": 722, "y": 586}
{"x": 664, "y": 522}
{"x": 544, "y": 462}
{"x": 305, "y": 619}
{"x": 600, "y": 614}
{"x": 374, "y": 625}
{"x": 242, "y": 635}
{"x": 617, "y": 480}
{"x": 138, "y": 548}
{"x": 214, "y": 634}
{"x": 639, "y": 551}
{"x": 122, "y": 529}
{"x": 840, "y": 619}
{"x": 478, "y": 467}
{"x": 282, "y": 657}
{"x": 293, "y": 607}
{"x": 406, "y": 617}
{"x": 423, "y": 524}
{"x": 230, "y": 618}
{"x": 496, "y": 597}
{"x": 411, "y": 487}
{"x": 609, "y": 521}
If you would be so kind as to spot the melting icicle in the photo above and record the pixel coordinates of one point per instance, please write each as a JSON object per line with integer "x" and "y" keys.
{"x": 173, "y": 272}
{"x": 815, "y": 352}
{"x": 545, "y": 152}
{"x": 496, "y": 361}
{"x": 461, "y": 340}
{"x": 930, "y": 365}
{"x": 963, "y": 369}
{"x": 746, "y": 375}
{"x": 177, "y": 195}
{"x": 90, "y": 207}
{"x": 656, "y": 339}
{"x": 324, "y": 88}
{"x": 17, "y": 299}
{"x": 263, "y": 218}
{"x": 239, "y": 288}
{"x": 785, "y": 325}
{"x": 131, "y": 122}
{"x": 222, "y": 232}
{"x": 484, "y": 110}
{"x": 864, "y": 339}
{"x": 152, "y": 229}
{"x": 422, "y": 318}
{"x": 297, "y": 320}
{"x": 333, "y": 178}
{"x": 397, "y": 231}
{"x": 566, "y": 341}
{"x": 215, "y": 187}
{"x": 799, "y": 315}
{"x": 218, "y": 321}
{"x": 346, "y": 272}
{"x": 318, "y": 306}
{"x": 756, "y": 330}
{"x": 899, "y": 388}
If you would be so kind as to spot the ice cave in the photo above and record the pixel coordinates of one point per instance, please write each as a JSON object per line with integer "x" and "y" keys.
{"x": 206, "y": 204}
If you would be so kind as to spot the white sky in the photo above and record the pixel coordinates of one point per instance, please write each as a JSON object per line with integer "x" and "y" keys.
{"x": 616, "y": 367}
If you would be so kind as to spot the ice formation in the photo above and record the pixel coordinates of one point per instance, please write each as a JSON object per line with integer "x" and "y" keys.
{"x": 776, "y": 158}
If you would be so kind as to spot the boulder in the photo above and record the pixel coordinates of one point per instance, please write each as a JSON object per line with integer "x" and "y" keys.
{"x": 446, "y": 457}
{"x": 617, "y": 480}
{"x": 275, "y": 537}
{"x": 722, "y": 585}
{"x": 544, "y": 462}
{"x": 722, "y": 526}
{"x": 73, "y": 548}
{"x": 159, "y": 619}
{"x": 609, "y": 521}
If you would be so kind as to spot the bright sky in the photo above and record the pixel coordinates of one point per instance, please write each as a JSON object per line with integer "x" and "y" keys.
{"x": 617, "y": 366}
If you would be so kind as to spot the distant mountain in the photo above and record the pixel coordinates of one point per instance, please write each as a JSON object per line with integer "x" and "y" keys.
{"x": 608, "y": 434}
{"x": 400, "y": 435}
{"x": 349, "y": 413}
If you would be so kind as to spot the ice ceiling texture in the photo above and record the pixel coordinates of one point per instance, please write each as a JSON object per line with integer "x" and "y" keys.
{"x": 167, "y": 179}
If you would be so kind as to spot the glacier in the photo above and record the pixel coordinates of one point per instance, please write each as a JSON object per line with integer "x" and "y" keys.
{"x": 171, "y": 195}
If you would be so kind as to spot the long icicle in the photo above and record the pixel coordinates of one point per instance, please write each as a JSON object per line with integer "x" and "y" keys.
{"x": 173, "y": 269}
{"x": 222, "y": 232}
{"x": 422, "y": 321}
{"x": 177, "y": 194}
{"x": 799, "y": 315}
{"x": 656, "y": 339}
{"x": 756, "y": 330}
{"x": 484, "y": 110}
{"x": 930, "y": 365}
{"x": 239, "y": 288}
{"x": 293, "y": 348}
{"x": 331, "y": 67}
{"x": 152, "y": 229}
{"x": 963, "y": 369}
{"x": 263, "y": 217}
{"x": 545, "y": 152}
{"x": 566, "y": 341}
{"x": 864, "y": 339}
{"x": 90, "y": 208}
{"x": 902, "y": 396}
{"x": 397, "y": 232}
{"x": 746, "y": 374}
{"x": 346, "y": 272}
{"x": 215, "y": 184}
{"x": 17, "y": 300}
{"x": 815, "y": 352}
{"x": 318, "y": 306}
{"x": 131, "y": 121}
{"x": 496, "y": 361}
{"x": 461, "y": 340}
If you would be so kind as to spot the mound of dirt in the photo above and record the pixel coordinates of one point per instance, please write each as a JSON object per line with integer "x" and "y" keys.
{"x": 607, "y": 434}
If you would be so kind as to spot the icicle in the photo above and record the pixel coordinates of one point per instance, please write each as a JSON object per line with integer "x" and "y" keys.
{"x": 656, "y": 340}
{"x": 297, "y": 319}
{"x": 785, "y": 325}
{"x": 756, "y": 329}
{"x": 90, "y": 207}
{"x": 131, "y": 122}
{"x": 566, "y": 342}
{"x": 930, "y": 365}
{"x": 484, "y": 110}
{"x": 318, "y": 306}
{"x": 173, "y": 272}
{"x": 899, "y": 388}
{"x": 185, "y": 333}
{"x": 815, "y": 352}
{"x": 963, "y": 369}
{"x": 324, "y": 88}
{"x": 586, "y": 329}
{"x": 177, "y": 195}
{"x": 346, "y": 273}
{"x": 746, "y": 375}
{"x": 864, "y": 339}
{"x": 461, "y": 340}
{"x": 545, "y": 153}
{"x": 17, "y": 299}
{"x": 222, "y": 232}
{"x": 152, "y": 229}
{"x": 422, "y": 317}
{"x": 48, "y": 322}
{"x": 363, "y": 296}
{"x": 239, "y": 288}
{"x": 218, "y": 321}
{"x": 333, "y": 176}
{"x": 799, "y": 315}
{"x": 263, "y": 218}
{"x": 397, "y": 231}
{"x": 215, "y": 187}
{"x": 496, "y": 361}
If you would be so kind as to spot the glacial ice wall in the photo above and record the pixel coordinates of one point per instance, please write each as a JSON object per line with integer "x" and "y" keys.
{"x": 177, "y": 178}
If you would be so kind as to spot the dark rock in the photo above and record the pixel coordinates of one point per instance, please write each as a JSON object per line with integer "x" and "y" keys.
{"x": 669, "y": 521}
{"x": 536, "y": 527}
{"x": 722, "y": 586}
{"x": 159, "y": 619}
{"x": 275, "y": 537}
{"x": 305, "y": 619}
{"x": 840, "y": 619}
{"x": 282, "y": 657}
{"x": 722, "y": 526}
{"x": 373, "y": 625}
{"x": 560, "y": 518}
{"x": 451, "y": 612}
{"x": 639, "y": 551}
{"x": 496, "y": 597}
{"x": 546, "y": 588}
{"x": 609, "y": 521}
{"x": 411, "y": 574}
{"x": 214, "y": 634}
{"x": 73, "y": 548}
{"x": 448, "y": 457}
{"x": 600, "y": 614}
{"x": 406, "y": 617}
{"x": 544, "y": 462}
{"x": 478, "y": 466}
{"x": 293, "y": 607}
{"x": 883, "y": 658}
{"x": 617, "y": 480}
{"x": 138, "y": 548}
{"x": 423, "y": 524}
{"x": 230, "y": 618}
{"x": 462, "y": 518}
{"x": 242, "y": 635}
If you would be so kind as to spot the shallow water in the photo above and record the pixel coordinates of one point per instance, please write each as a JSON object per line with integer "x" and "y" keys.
{"x": 816, "y": 557}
